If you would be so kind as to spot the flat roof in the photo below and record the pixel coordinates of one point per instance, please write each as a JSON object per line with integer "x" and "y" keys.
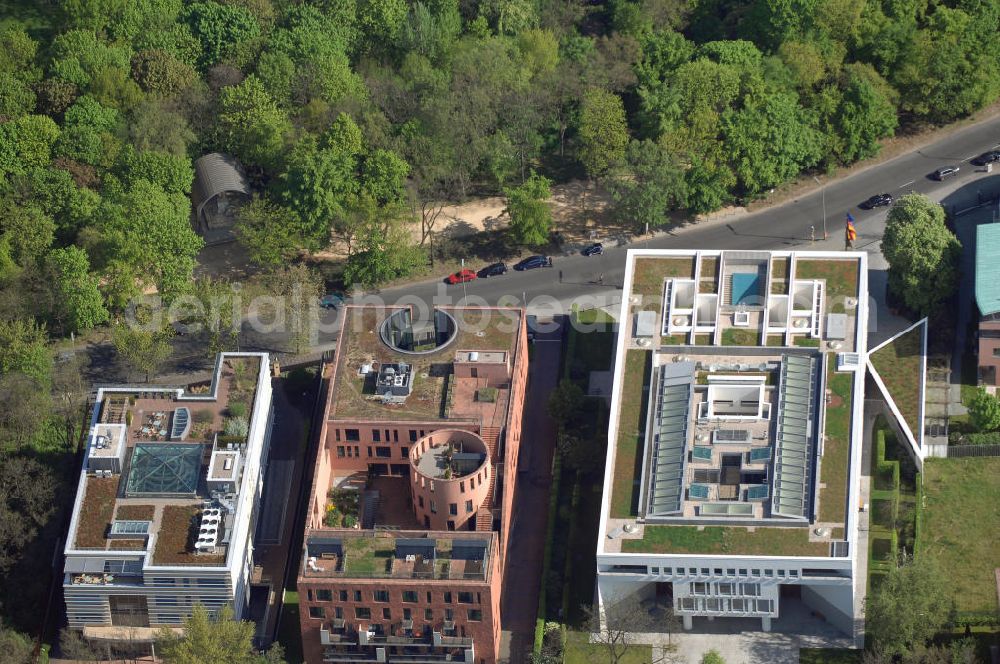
{"x": 988, "y": 268}
{"x": 162, "y": 478}
{"x": 732, "y": 412}
{"x": 489, "y": 331}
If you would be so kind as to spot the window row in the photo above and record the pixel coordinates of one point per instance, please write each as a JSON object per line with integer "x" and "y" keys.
{"x": 365, "y": 613}
{"x": 731, "y": 571}
{"x": 452, "y": 507}
{"x": 726, "y": 588}
{"x": 474, "y": 481}
{"x": 354, "y": 451}
{"x": 382, "y": 596}
{"x": 725, "y": 605}
{"x": 391, "y": 435}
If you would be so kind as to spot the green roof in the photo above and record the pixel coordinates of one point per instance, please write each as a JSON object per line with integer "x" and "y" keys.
{"x": 988, "y": 268}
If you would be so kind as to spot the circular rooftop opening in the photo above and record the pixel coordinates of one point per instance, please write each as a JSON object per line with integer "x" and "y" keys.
{"x": 403, "y": 334}
{"x": 449, "y": 455}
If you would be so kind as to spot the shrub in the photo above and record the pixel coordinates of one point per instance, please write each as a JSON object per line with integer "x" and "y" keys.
{"x": 203, "y": 416}
{"x": 350, "y": 520}
{"x": 487, "y": 395}
{"x": 237, "y": 409}
{"x": 236, "y": 426}
{"x": 984, "y": 411}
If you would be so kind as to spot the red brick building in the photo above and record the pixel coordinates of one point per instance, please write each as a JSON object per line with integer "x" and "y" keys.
{"x": 409, "y": 514}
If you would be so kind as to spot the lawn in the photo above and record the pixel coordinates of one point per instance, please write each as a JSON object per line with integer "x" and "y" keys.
{"x": 841, "y": 275}
{"x": 775, "y": 340}
{"x": 806, "y": 342}
{"x": 289, "y": 635}
{"x": 829, "y": 656}
{"x": 734, "y": 336}
{"x": 961, "y": 526}
{"x": 725, "y": 540}
{"x": 898, "y": 364}
{"x": 631, "y": 424}
{"x": 579, "y": 650}
{"x": 135, "y": 512}
{"x": 837, "y": 446}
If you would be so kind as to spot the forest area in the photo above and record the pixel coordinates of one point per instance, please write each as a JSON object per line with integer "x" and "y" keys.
{"x": 358, "y": 120}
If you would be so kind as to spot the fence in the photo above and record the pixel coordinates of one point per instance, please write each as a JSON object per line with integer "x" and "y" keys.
{"x": 956, "y": 451}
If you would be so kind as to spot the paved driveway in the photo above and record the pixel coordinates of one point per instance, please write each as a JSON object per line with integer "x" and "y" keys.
{"x": 519, "y": 601}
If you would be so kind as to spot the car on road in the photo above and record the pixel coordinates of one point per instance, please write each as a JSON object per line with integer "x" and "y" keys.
{"x": 945, "y": 172}
{"x": 987, "y": 158}
{"x": 878, "y": 200}
{"x": 595, "y": 249}
{"x": 492, "y": 270}
{"x": 460, "y": 277}
{"x": 531, "y": 262}
{"x": 332, "y": 301}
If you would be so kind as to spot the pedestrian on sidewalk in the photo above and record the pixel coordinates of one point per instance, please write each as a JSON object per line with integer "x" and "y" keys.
{"x": 850, "y": 234}
{"x": 600, "y": 279}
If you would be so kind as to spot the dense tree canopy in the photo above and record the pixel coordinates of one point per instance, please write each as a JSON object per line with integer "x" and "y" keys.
{"x": 922, "y": 253}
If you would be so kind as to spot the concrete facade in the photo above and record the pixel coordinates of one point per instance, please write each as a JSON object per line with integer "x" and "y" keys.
{"x": 700, "y": 539}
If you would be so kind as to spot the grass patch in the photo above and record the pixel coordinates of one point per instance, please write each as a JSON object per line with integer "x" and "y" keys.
{"x": 289, "y": 634}
{"x": 837, "y": 446}
{"x": 728, "y": 541}
{"x": 734, "y": 336}
{"x": 674, "y": 339}
{"x": 898, "y": 364}
{"x": 648, "y": 274}
{"x": 829, "y": 656}
{"x": 775, "y": 340}
{"x": 579, "y": 650}
{"x": 368, "y": 556}
{"x": 96, "y": 512}
{"x": 703, "y": 340}
{"x": 806, "y": 342}
{"x": 961, "y": 526}
{"x": 841, "y": 275}
{"x": 631, "y": 423}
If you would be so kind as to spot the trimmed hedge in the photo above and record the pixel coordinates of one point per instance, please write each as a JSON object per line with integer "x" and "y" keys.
{"x": 547, "y": 556}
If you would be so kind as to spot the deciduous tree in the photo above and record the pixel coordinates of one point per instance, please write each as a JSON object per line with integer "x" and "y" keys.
{"x": 602, "y": 132}
{"x": 648, "y": 186}
{"x": 530, "y": 214}
{"x": 78, "y": 302}
{"x": 908, "y": 607}
{"x": 922, "y": 253}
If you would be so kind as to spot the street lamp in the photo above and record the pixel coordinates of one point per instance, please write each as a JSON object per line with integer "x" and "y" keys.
{"x": 822, "y": 189}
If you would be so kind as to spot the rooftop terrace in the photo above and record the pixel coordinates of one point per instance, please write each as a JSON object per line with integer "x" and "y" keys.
{"x": 148, "y": 463}
{"x": 436, "y": 392}
{"x": 396, "y": 554}
{"x": 730, "y": 404}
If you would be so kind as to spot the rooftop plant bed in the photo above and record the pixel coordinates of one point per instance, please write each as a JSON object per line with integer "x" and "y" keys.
{"x": 369, "y": 556}
{"x": 174, "y": 542}
{"x": 631, "y": 424}
{"x": 127, "y": 544}
{"x": 725, "y": 540}
{"x": 898, "y": 364}
{"x": 841, "y": 275}
{"x": 735, "y": 336}
{"x": 96, "y": 512}
{"x": 342, "y": 508}
{"x": 837, "y": 446}
{"x": 806, "y": 342}
{"x": 135, "y": 513}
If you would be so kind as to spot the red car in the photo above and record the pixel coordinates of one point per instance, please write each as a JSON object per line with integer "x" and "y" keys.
{"x": 461, "y": 276}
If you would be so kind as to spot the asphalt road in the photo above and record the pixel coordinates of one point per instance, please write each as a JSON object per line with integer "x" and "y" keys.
{"x": 784, "y": 226}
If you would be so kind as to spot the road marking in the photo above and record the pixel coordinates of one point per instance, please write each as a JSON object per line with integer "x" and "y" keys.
{"x": 907, "y": 184}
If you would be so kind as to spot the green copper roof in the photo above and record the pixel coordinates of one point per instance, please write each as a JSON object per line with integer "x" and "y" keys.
{"x": 988, "y": 268}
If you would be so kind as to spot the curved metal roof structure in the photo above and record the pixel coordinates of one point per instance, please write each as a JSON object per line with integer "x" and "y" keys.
{"x": 215, "y": 174}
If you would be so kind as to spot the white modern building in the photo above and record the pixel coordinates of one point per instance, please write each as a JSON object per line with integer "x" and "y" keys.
{"x": 167, "y": 501}
{"x": 734, "y": 454}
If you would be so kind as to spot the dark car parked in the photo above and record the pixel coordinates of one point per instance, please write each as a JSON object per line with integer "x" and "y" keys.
{"x": 878, "y": 200}
{"x": 531, "y": 262}
{"x": 945, "y": 172}
{"x": 595, "y": 249}
{"x": 493, "y": 270}
{"x": 332, "y": 301}
{"x": 987, "y": 158}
